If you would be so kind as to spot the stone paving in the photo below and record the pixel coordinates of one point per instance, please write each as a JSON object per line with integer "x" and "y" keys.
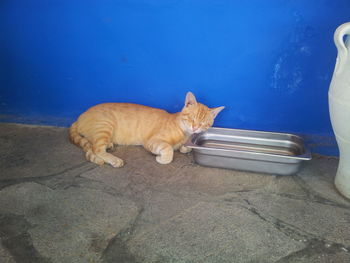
{"x": 57, "y": 207}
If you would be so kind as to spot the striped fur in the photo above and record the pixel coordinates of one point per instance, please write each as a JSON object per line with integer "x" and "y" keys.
{"x": 160, "y": 132}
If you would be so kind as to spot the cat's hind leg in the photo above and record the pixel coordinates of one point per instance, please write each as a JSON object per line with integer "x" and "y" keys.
{"x": 84, "y": 143}
{"x": 90, "y": 156}
{"x": 100, "y": 142}
{"x": 163, "y": 150}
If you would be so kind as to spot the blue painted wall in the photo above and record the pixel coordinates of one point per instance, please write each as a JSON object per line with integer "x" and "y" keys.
{"x": 269, "y": 62}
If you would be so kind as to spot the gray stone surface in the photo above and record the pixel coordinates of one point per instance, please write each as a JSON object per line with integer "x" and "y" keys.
{"x": 5, "y": 256}
{"x": 56, "y": 207}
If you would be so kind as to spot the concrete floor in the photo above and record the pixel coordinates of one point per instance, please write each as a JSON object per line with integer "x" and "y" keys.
{"x": 56, "y": 207}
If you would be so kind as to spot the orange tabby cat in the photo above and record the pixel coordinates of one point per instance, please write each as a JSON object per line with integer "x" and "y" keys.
{"x": 160, "y": 132}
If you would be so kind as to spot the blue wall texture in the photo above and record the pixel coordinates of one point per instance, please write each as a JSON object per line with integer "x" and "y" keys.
{"x": 269, "y": 62}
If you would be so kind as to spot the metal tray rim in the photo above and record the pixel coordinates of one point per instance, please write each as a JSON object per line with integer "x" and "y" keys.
{"x": 263, "y": 132}
{"x": 304, "y": 157}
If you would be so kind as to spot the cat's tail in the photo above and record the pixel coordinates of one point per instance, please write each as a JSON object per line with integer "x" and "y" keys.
{"x": 77, "y": 139}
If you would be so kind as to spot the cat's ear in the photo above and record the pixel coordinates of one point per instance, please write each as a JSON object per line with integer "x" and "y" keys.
{"x": 190, "y": 99}
{"x": 215, "y": 111}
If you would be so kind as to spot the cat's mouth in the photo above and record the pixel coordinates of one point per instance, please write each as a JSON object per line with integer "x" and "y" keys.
{"x": 191, "y": 131}
{"x": 198, "y": 130}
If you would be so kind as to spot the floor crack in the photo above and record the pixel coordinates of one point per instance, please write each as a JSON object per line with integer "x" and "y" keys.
{"x": 116, "y": 249}
{"x": 9, "y": 182}
{"x": 314, "y": 244}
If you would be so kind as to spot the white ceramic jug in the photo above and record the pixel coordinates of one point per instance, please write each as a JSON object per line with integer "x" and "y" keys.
{"x": 339, "y": 106}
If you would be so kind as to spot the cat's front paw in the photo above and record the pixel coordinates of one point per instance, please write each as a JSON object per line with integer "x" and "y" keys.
{"x": 184, "y": 149}
{"x": 163, "y": 160}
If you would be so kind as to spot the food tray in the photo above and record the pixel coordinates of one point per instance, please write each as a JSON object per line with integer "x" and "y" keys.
{"x": 247, "y": 150}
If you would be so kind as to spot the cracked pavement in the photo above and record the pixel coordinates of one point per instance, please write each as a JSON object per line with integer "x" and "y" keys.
{"x": 57, "y": 207}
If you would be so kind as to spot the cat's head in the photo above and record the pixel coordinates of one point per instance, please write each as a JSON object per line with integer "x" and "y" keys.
{"x": 196, "y": 117}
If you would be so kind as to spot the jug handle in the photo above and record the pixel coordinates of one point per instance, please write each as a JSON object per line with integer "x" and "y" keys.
{"x": 342, "y": 56}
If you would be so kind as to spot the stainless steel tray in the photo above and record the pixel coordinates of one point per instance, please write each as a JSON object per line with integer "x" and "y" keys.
{"x": 256, "y": 151}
